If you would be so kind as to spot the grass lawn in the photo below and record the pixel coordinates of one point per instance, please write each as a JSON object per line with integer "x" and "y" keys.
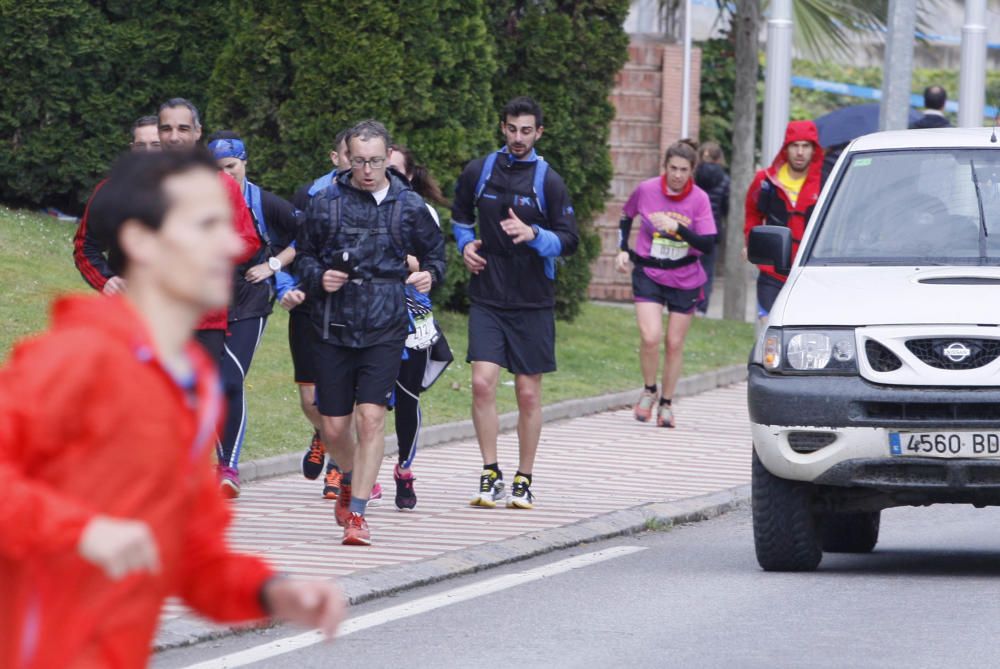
{"x": 597, "y": 353}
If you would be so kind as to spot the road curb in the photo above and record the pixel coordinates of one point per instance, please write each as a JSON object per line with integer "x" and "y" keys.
{"x": 372, "y": 584}
{"x": 435, "y": 435}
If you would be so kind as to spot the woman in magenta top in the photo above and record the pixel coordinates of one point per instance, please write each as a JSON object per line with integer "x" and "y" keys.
{"x": 676, "y": 228}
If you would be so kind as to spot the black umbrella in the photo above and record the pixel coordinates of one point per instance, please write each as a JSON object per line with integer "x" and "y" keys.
{"x": 842, "y": 125}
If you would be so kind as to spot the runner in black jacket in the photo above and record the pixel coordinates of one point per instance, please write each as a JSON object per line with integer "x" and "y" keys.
{"x": 525, "y": 222}
{"x": 352, "y": 262}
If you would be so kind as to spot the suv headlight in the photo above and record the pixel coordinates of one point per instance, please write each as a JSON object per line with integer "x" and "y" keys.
{"x": 828, "y": 351}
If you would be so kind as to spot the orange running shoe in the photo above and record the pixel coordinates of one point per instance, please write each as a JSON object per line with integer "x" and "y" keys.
{"x": 312, "y": 461}
{"x": 342, "y": 512}
{"x": 356, "y": 531}
{"x": 331, "y": 484}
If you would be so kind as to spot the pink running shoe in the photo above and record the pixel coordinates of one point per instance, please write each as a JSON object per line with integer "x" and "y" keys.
{"x": 229, "y": 481}
{"x": 376, "y": 497}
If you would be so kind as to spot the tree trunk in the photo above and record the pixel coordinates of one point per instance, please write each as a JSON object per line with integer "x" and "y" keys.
{"x": 745, "y": 30}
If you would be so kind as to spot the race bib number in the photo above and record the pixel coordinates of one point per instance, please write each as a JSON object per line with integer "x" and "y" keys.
{"x": 665, "y": 248}
{"x": 424, "y": 333}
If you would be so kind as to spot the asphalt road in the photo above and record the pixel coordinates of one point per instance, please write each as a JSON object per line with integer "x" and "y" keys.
{"x": 689, "y": 597}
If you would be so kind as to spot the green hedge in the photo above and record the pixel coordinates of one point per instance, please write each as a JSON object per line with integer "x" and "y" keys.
{"x": 290, "y": 75}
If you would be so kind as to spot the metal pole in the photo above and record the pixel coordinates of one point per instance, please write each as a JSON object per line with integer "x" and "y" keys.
{"x": 686, "y": 93}
{"x": 778, "y": 77}
{"x": 898, "y": 70}
{"x": 972, "y": 77}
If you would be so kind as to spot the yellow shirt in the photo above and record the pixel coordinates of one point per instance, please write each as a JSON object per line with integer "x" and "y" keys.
{"x": 792, "y": 186}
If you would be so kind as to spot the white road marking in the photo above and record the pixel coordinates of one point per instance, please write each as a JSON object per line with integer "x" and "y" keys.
{"x": 416, "y": 607}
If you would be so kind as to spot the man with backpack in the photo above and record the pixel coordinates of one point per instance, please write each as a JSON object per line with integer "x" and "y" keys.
{"x": 525, "y": 222}
{"x": 351, "y": 259}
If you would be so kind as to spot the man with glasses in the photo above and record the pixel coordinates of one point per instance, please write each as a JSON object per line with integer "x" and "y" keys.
{"x": 351, "y": 259}
{"x": 88, "y": 254}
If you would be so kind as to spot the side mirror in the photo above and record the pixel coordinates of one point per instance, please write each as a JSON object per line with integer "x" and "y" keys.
{"x": 771, "y": 245}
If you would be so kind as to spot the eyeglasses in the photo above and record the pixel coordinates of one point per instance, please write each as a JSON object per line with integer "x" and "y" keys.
{"x": 375, "y": 163}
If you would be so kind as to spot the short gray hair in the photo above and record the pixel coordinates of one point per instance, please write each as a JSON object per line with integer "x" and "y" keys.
{"x": 172, "y": 103}
{"x": 368, "y": 130}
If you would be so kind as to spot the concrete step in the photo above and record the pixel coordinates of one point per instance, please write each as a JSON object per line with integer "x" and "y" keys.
{"x": 636, "y": 161}
{"x": 636, "y": 107}
{"x": 647, "y": 81}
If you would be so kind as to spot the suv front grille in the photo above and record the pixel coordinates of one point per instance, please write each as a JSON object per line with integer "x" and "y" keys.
{"x": 880, "y": 358}
{"x": 935, "y": 352}
{"x": 931, "y": 412}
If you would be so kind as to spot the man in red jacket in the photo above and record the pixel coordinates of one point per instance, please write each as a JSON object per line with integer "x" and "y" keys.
{"x": 785, "y": 194}
{"x": 88, "y": 550}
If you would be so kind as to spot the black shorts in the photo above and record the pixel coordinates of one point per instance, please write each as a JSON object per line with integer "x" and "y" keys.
{"x": 348, "y": 376}
{"x": 302, "y": 342}
{"x": 523, "y": 341}
{"x": 676, "y": 300}
{"x": 767, "y": 291}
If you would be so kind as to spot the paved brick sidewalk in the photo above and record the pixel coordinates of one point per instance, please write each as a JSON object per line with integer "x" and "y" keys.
{"x": 586, "y": 467}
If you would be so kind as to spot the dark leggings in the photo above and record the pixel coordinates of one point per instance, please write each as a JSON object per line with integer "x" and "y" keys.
{"x": 242, "y": 341}
{"x": 409, "y": 385}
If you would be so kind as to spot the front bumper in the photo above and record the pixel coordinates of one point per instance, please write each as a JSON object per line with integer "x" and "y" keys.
{"x": 856, "y": 417}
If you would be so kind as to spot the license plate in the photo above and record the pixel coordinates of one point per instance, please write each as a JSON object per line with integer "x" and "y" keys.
{"x": 945, "y": 444}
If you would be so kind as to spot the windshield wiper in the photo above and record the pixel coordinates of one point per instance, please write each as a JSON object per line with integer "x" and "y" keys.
{"x": 983, "y": 232}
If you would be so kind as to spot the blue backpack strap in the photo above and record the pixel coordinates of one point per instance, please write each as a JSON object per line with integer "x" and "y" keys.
{"x": 322, "y": 183}
{"x": 484, "y": 176}
{"x": 541, "y": 169}
{"x": 252, "y": 196}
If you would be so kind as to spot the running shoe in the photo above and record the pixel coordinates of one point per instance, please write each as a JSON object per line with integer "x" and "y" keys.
{"x": 666, "y": 417}
{"x": 331, "y": 484}
{"x": 356, "y": 531}
{"x": 312, "y": 461}
{"x": 342, "y": 511}
{"x": 645, "y": 406}
{"x": 491, "y": 489}
{"x": 229, "y": 482}
{"x": 520, "y": 494}
{"x": 406, "y": 498}
{"x": 376, "y": 497}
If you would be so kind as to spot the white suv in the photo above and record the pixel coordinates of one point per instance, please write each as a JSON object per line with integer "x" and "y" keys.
{"x": 877, "y": 381}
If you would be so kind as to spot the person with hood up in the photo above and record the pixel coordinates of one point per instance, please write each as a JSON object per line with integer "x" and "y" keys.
{"x": 785, "y": 194}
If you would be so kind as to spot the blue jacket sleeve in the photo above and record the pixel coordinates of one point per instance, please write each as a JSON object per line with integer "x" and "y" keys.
{"x": 546, "y": 243}
{"x": 464, "y": 233}
{"x": 285, "y": 282}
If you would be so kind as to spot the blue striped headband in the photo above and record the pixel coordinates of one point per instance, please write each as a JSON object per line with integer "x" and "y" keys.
{"x": 228, "y": 148}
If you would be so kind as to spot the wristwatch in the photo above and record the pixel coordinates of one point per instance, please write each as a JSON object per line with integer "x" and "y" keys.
{"x": 274, "y": 264}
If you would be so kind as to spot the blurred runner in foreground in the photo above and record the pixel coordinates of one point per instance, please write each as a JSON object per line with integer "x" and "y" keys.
{"x": 92, "y": 539}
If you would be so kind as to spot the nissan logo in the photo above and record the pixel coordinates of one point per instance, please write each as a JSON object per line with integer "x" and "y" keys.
{"x": 957, "y": 351}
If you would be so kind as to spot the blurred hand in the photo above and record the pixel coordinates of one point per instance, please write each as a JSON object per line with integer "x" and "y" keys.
{"x": 334, "y": 280}
{"x": 412, "y": 264}
{"x": 315, "y": 604}
{"x": 292, "y": 299}
{"x": 746, "y": 257}
{"x": 621, "y": 262}
{"x": 518, "y": 230}
{"x": 259, "y": 273}
{"x": 663, "y": 223}
{"x": 470, "y": 254}
{"x": 119, "y": 547}
{"x": 114, "y": 286}
{"x": 422, "y": 281}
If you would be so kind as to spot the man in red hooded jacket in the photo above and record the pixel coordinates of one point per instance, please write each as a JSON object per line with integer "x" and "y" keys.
{"x": 88, "y": 549}
{"x": 785, "y": 194}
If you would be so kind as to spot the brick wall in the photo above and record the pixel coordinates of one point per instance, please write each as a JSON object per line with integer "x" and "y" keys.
{"x": 647, "y": 97}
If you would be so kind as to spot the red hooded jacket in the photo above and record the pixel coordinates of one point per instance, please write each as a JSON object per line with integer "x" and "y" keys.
{"x": 88, "y": 253}
{"x": 91, "y": 423}
{"x": 780, "y": 210}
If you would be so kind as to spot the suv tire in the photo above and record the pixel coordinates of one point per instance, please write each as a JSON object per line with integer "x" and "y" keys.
{"x": 785, "y": 532}
{"x": 855, "y": 532}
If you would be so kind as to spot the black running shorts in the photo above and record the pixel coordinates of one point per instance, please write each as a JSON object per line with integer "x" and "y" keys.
{"x": 302, "y": 342}
{"x": 348, "y": 376}
{"x": 523, "y": 341}
{"x": 676, "y": 300}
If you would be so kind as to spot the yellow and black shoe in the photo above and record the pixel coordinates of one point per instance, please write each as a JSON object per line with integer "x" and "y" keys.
{"x": 491, "y": 489}
{"x": 520, "y": 494}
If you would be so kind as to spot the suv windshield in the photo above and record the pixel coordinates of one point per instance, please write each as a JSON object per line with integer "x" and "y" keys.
{"x": 914, "y": 206}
